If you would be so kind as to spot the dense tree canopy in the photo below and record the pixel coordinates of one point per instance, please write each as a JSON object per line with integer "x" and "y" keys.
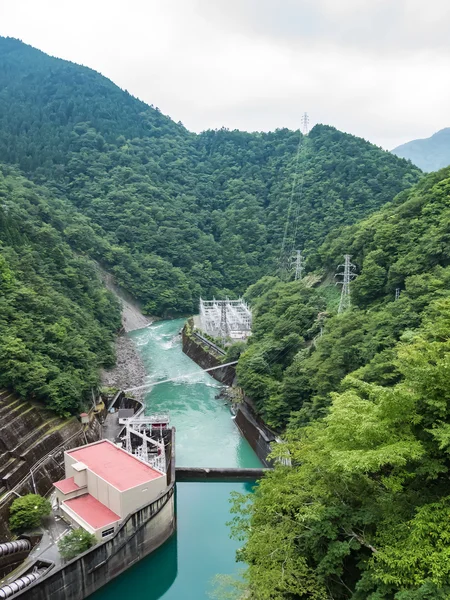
{"x": 56, "y": 319}
{"x": 184, "y": 215}
{"x": 363, "y": 511}
{"x": 405, "y": 246}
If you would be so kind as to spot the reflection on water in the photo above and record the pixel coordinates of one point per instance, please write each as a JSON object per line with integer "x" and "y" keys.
{"x": 206, "y": 436}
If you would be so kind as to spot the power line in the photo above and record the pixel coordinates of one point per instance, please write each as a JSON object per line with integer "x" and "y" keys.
{"x": 152, "y": 383}
{"x": 294, "y": 207}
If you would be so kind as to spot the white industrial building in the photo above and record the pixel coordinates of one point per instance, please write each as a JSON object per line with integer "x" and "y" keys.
{"x": 103, "y": 485}
{"x": 230, "y": 319}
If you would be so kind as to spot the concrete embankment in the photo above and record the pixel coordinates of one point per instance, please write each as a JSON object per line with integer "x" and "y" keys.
{"x": 205, "y": 356}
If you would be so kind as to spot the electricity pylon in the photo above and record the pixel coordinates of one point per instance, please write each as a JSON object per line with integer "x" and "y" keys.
{"x": 397, "y": 293}
{"x": 298, "y": 265}
{"x": 293, "y": 213}
{"x": 347, "y": 276}
{"x": 305, "y": 123}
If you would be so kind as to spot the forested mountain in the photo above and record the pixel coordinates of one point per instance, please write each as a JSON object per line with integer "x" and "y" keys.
{"x": 57, "y": 321}
{"x": 363, "y": 513}
{"x": 183, "y": 215}
{"x": 429, "y": 154}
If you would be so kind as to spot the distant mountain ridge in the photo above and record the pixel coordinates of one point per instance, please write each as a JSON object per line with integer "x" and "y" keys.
{"x": 175, "y": 215}
{"x": 429, "y": 154}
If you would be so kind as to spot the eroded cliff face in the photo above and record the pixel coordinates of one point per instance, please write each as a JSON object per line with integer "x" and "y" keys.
{"x": 32, "y": 444}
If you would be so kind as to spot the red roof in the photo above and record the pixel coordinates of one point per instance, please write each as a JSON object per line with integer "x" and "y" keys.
{"x": 92, "y": 511}
{"x": 67, "y": 485}
{"x": 114, "y": 465}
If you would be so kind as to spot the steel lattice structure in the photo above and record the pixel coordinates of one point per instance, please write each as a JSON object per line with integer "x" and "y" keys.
{"x": 226, "y": 318}
{"x": 144, "y": 439}
{"x": 347, "y": 276}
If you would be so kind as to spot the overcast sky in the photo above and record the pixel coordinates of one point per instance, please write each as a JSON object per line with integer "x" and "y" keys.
{"x": 379, "y": 69}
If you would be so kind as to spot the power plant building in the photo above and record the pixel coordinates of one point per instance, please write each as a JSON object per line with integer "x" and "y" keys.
{"x": 103, "y": 485}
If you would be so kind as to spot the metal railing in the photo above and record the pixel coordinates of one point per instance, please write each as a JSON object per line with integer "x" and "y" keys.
{"x": 209, "y": 343}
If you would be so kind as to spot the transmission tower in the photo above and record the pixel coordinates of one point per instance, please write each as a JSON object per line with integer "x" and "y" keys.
{"x": 223, "y": 321}
{"x": 397, "y": 293}
{"x": 347, "y": 276}
{"x": 298, "y": 264}
{"x": 305, "y": 123}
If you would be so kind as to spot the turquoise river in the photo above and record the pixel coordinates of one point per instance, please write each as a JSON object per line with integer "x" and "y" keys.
{"x": 184, "y": 567}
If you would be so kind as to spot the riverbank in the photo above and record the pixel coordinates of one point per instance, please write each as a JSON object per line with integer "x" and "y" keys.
{"x": 129, "y": 370}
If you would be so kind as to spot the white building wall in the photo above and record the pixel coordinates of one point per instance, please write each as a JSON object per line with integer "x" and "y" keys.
{"x": 142, "y": 494}
{"x": 102, "y": 490}
{"x": 68, "y": 461}
{"x": 92, "y": 484}
{"x": 77, "y": 521}
{"x": 114, "y": 499}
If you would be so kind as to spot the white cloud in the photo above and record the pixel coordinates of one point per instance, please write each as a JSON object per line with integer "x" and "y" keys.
{"x": 376, "y": 68}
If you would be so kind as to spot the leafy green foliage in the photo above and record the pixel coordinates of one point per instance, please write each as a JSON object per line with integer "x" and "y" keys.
{"x": 404, "y": 245}
{"x": 57, "y": 321}
{"x": 27, "y": 512}
{"x": 363, "y": 512}
{"x": 178, "y": 215}
{"x": 76, "y": 542}
{"x": 284, "y": 313}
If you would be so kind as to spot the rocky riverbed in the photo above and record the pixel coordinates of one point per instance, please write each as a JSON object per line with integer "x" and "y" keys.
{"x": 129, "y": 370}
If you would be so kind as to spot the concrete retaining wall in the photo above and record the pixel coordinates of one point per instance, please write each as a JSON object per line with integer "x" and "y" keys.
{"x": 205, "y": 358}
{"x": 255, "y": 432}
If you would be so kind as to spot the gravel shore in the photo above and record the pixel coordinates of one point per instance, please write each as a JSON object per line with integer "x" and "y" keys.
{"x": 129, "y": 370}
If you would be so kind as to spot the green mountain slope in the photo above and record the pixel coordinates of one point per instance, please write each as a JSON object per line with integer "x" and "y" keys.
{"x": 184, "y": 215}
{"x": 429, "y": 154}
{"x": 404, "y": 246}
{"x": 363, "y": 513}
{"x": 57, "y": 321}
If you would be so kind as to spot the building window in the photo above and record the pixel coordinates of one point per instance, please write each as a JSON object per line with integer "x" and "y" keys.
{"x": 107, "y": 532}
